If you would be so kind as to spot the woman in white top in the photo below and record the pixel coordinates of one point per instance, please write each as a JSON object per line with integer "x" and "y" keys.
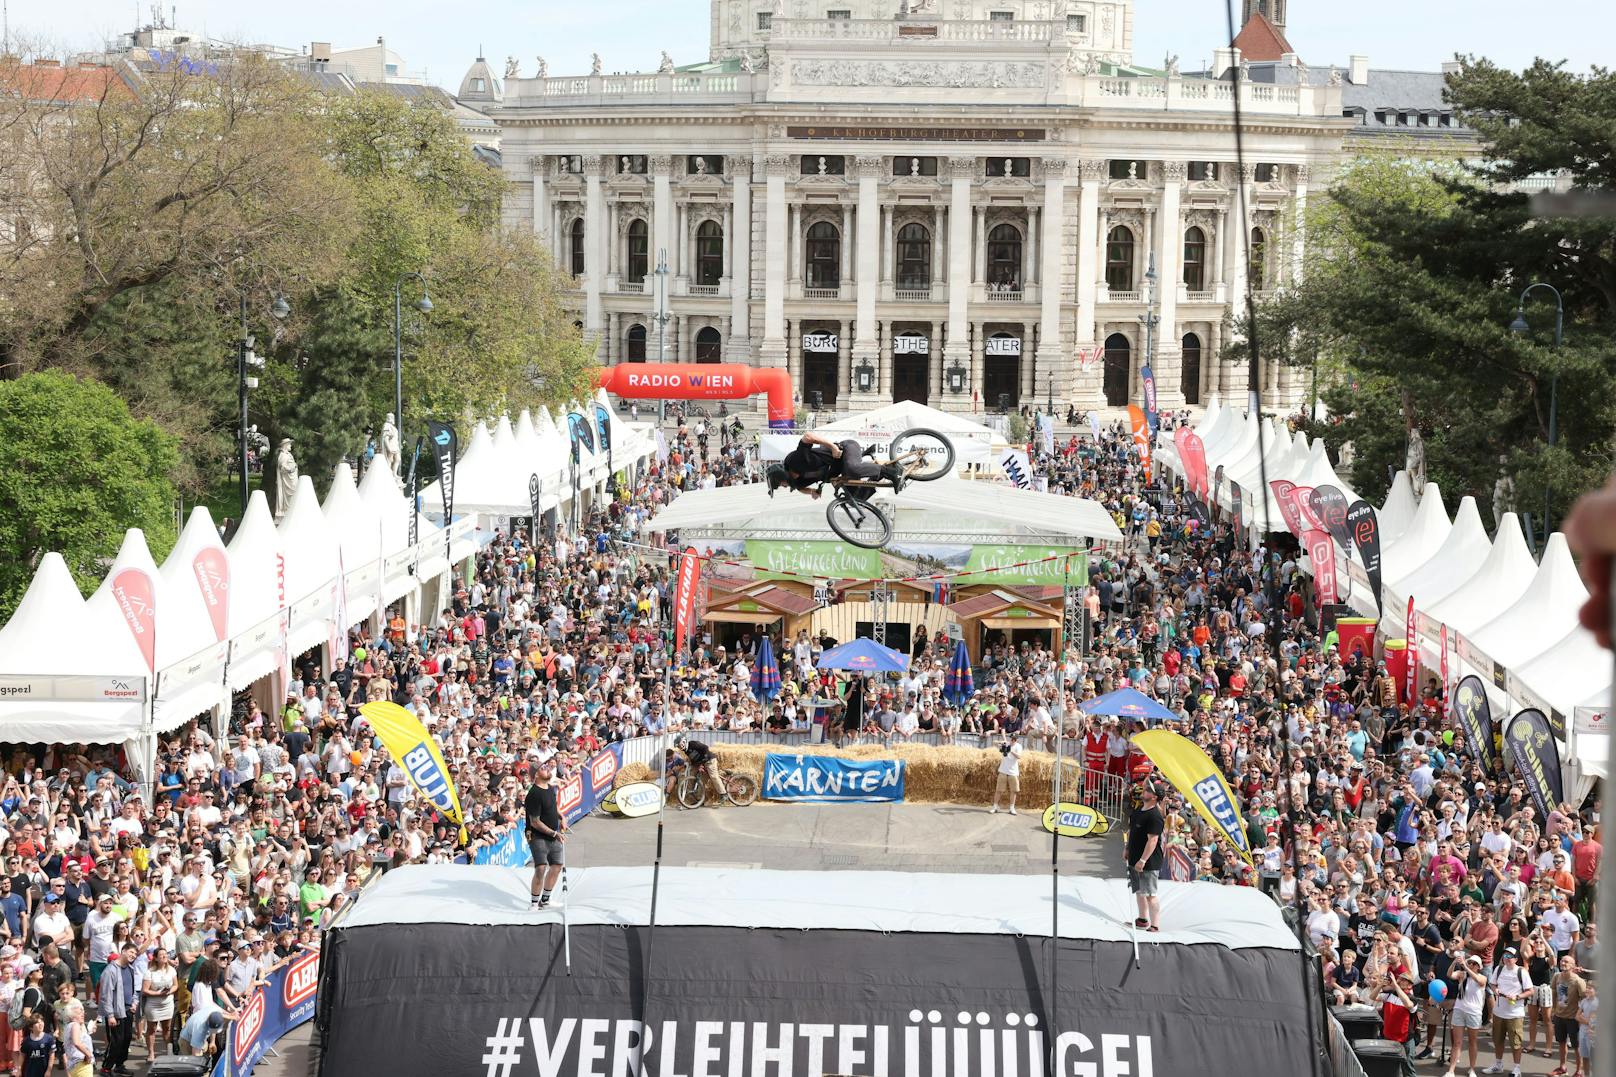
{"x": 157, "y": 989}
{"x": 1469, "y": 1000}
{"x": 78, "y": 1050}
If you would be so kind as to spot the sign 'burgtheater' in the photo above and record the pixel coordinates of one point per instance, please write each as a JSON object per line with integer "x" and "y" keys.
{"x": 956, "y": 203}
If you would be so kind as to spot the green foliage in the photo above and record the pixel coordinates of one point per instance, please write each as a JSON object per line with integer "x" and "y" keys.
{"x": 340, "y": 376}
{"x": 76, "y": 471}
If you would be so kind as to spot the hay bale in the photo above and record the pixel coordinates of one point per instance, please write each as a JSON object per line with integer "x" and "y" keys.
{"x": 631, "y": 773}
{"x": 932, "y": 775}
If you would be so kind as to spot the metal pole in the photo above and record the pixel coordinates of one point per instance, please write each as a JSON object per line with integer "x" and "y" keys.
{"x": 398, "y": 358}
{"x": 241, "y": 393}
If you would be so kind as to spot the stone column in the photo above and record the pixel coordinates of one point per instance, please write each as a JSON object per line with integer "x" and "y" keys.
{"x": 973, "y": 387}
{"x": 883, "y": 369}
{"x": 794, "y": 358}
{"x": 1291, "y": 378}
{"x": 980, "y": 274}
{"x": 795, "y": 226}
{"x": 1030, "y": 369}
{"x": 556, "y": 242}
{"x": 1242, "y": 240}
{"x": 661, "y": 209}
{"x": 961, "y": 171}
{"x": 888, "y": 251}
{"x": 867, "y": 257}
{"x": 1088, "y": 389}
{"x": 739, "y": 238}
{"x": 614, "y": 240}
{"x": 844, "y": 365}
{"x": 540, "y": 164}
{"x": 1032, "y": 276}
{"x": 847, "y": 244}
{"x": 939, "y": 246}
{"x": 594, "y": 241}
{"x": 934, "y": 367}
{"x": 1051, "y": 356}
{"x": 680, "y": 261}
{"x": 773, "y": 350}
{"x": 1169, "y": 267}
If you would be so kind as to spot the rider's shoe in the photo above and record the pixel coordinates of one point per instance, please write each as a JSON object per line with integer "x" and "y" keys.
{"x": 896, "y": 476}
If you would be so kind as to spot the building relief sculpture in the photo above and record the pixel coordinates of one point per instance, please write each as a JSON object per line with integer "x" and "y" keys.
{"x": 883, "y": 73}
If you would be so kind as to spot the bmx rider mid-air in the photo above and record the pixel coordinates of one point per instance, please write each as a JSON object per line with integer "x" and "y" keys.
{"x": 817, "y": 459}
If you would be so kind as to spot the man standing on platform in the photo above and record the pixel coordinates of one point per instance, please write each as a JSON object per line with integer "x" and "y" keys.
{"x": 1145, "y": 828}
{"x": 546, "y": 833}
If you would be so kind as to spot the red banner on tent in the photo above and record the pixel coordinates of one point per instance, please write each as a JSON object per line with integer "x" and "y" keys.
{"x": 1141, "y": 435}
{"x": 137, "y": 601}
{"x": 1194, "y": 457}
{"x": 212, "y": 570}
{"x": 1411, "y": 670}
{"x": 684, "y": 597}
{"x": 1304, "y": 509}
{"x": 1285, "y": 495}
{"x": 1321, "y": 553}
{"x": 1443, "y": 643}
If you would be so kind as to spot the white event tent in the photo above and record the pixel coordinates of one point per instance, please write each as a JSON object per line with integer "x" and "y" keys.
{"x": 1456, "y": 560}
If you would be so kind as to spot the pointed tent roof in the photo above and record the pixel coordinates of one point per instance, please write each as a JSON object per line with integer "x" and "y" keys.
{"x": 1260, "y": 40}
{"x": 1424, "y": 536}
{"x": 1455, "y": 562}
{"x": 1398, "y": 511}
{"x": 1545, "y": 613}
{"x": 381, "y": 491}
{"x": 105, "y": 639}
{"x": 186, "y": 600}
{"x": 254, "y": 594}
{"x": 311, "y": 564}
{"x": 354, "y": 521}
{"x": 1500, "y": 581}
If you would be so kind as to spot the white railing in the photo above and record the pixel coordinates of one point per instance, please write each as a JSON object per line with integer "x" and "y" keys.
{"x": 704, "y": 289}
{"x": 1003, "y": 296}
{"x": 1203, "y": 296}
{"x": 913, "y": 295}
{"x": 1124, "y": 297}
{"x": 821, "y": 293}
{"x": 890, "y": 30}
{"x": 631, "y": 287}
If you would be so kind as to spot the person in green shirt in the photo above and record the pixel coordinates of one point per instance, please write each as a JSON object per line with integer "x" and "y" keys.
{"x": 312, "y": 896}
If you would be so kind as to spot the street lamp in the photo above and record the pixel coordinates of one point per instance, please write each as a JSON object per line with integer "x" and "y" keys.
{"x": 956, "y": 377}
{"x": 424, "y": 305}
{"x": 1520, "y": 327}
{"x": 661, "y": 316}
{"x": 247, "y": 359}
{"x": 1149, "y": 319}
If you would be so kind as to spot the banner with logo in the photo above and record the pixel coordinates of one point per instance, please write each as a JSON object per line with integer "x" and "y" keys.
{"x": 1180, "y": 436}
{"x": 1355, "y": 635}
{"x": 1217, "y": 485}
{"x": 212, "y": 570}
{"x": 511, "y": 851}
{"x": 1017, "y": 468}
{"x": 1321, "y": 554}
{"x": 1198, "y": 780}
{"x": 277, "y": 1006}
{"x": 407, "y": 741}
{"x": 1442, "y": 701}
{"x": 283, "y": 647}
{"x": 136, "y": 595}
{"x": 1195, "y": 461}
{"x": 1475, "y": 716}
{"x": 582, "y": 793}
{"x": 580, "y": 430}
{"x": 684, "y": 597}
{"x": 824, "y": 779}
{"x": 1536, "y": 754}
{"x": 1285, "y": 496}
{"x": 1046, "y": 433}
{"x": 446, "y": 452}
{"x": 535, "y": 505}
{"x": 1330, "y": 506}
{"x": 1152, "y": 420}
{"x": 1363, "y": 524}
{"x": 1094, "y": 425}
{"x": 1141, "y": 436}
{"x": 1302, "y": 498}
{"x": 1236, "y": 506}
{"x": 1411, "y": 667}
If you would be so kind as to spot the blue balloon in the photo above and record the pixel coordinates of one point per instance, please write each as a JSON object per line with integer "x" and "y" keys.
{"x": 1438, "y": 990}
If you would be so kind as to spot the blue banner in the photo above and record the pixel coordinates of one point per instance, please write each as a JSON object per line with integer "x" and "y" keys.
{"x": 826, "y": 778}
{"x": 1151, "y": 418}
{"x": 511, "y": 851}
{"x": 576, "y": 797}
{"x": 272, "y": 1011}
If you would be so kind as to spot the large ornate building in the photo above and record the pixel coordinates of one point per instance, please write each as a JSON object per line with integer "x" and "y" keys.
{"x": 963, "y": 202}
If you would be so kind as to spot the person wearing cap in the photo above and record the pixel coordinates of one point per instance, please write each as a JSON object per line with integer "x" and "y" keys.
{"x": 546, "y": 833}
{"x": 1512, "y": 990}
{"x": 1396, "y": 999}
{"x": 1144, "y": 852}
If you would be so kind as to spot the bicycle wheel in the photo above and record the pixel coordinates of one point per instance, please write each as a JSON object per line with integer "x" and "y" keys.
{"x": 859, "y": 523}
{"x": 692, "y": 791}
{"x": 742, "y": 788}
{"x": 935, "y": 454}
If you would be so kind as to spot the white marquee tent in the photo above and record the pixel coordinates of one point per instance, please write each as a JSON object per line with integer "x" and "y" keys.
{"x": 1460, "y": 556}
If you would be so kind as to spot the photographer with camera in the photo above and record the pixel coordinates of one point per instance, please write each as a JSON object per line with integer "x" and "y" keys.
{"x": 1009, "y": 771}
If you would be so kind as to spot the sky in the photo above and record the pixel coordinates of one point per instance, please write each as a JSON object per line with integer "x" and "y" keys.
{"x": 441, "y": 39}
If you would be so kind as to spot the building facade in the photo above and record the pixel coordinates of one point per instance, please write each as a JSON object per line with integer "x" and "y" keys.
{"x": 972, "y": 203}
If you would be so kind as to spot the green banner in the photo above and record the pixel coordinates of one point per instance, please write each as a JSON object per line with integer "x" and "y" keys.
{"x": 832, "y": 560}
{"x": 1056, "y": 566}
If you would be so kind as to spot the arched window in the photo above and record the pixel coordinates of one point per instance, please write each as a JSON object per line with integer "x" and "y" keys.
{"x": 1119, "y": 259}
{"x": 914, "y": 257}
{"x": 575, "y": 246}
{"x": 708, "y": 345}
{"x": 709, "y": 253}
{"x": 1118, "y": 368}
{"x": 1195, "y": 260}
{"x": 1259, "y": 258}
{"x": 1190, "y": 381}
{"x": 1004, "y": 257}
{"x": 639, "y": 251}
{"x": 824, "y": 254}
{"x": 634, "y": 344}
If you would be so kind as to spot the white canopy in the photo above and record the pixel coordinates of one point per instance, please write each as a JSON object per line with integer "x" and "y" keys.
{"x": 1457, "y": 560}
{"x": 1592, "y": 757}
{"x": 1231, "y": 424}
{"x": 1496, "y": 585}
{"x": 1398, "y": 511}
{"x": 311, "y": 565}
{"x": 191, "y": 651}
{"x": 358, "y": 529}
{"x": 1424, "y": 536}
{"x": 255, "y": 599}
{"x": 1545, "y": 612}
{"x": 380, "y": 491}
{"x": 1569, "y": 671}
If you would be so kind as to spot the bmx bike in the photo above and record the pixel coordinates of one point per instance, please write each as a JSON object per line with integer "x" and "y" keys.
{"x": 695, "y": 788}
{"x": 917, "y": 455}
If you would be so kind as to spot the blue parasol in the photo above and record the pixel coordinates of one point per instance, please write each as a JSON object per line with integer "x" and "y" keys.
{"x": 1129, "y": 703}
{"x": 959, "y": 684}
{"x": 864, "y": 656}
{"x": 765, "y": 673}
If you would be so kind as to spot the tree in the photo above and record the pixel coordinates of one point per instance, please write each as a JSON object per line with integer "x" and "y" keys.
{"x": 76, "y": 471}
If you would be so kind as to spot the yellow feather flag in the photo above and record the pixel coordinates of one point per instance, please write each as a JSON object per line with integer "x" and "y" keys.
{"x": 408, "y": 742}
{"x": 1194, "y": 775}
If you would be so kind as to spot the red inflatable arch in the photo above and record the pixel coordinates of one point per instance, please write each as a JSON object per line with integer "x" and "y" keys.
{"x": 703, "y": 381}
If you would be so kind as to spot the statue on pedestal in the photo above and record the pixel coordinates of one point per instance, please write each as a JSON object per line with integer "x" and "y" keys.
{"x": 1414, "y": 461}
{"x": 594, "y": 63}
{"x": 389, "y": 446}
{"x": 285, "y": 477}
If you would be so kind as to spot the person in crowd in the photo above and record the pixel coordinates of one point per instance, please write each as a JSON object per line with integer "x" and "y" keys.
{"x": 1144, "y": 854}
{"x": 1007, "y": 785}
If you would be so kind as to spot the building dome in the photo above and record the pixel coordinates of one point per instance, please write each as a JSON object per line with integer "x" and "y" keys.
{"x": 479, "y": 86}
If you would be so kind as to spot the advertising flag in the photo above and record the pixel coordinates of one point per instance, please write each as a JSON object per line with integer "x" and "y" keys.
{"x": 283, "y": 650}
{"x": 1285, "y": 495}
{"x": 684, "y": 597}
{"x": 1217, "y": 485}
{"x": 1330, "y": 506}
{"x": 580, "y": 431}
{"x": 1141, "y": 436}
{"x": 1443, "y": 698}
{"x": 1046, "y": 432}
{"x": 136, "y": 597}
{"x": 1094, "y": 425}
{"x": 1475, "y": 717}
{"x": 1179, "y": 437}
{"x": 339, "y": 606}
{"x": 1198, "y": 780}
{"x": 212, "y": 570}
{"x": 603, "y": 427}
{"x": 1364, "y": 525}
{"x": 445, "y": 451}
{"x": 535, "y": 504}
{"x": 1017, "y": 468}
{"x": 1531, "y": 744}
{"x": 1195, "y": 461}
{"x": 1302, "y": 498}
{"x": 1411, "y": 665}
{"x": 1151, "y": 418}
{"x": 407, "y": 741}
{"x": 1321, "y": 553}
{"x": 1235, "y": 499}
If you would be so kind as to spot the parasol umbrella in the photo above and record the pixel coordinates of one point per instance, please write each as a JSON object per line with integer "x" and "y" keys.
{"x": 864, "y": 656}
{"x": 959, "y": 684}
{"x": 765, "y": 673}
{"x": 1129, "y": 703}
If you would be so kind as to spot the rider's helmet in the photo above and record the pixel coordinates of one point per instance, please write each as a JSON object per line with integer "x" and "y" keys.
{"x": 679, "y": 741}
{"x": 777, "y": 478}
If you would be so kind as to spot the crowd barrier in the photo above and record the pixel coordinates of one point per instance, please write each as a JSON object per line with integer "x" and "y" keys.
{"x": 274, "y": 1009}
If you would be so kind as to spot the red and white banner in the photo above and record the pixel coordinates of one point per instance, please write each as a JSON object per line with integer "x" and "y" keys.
{"x": 1304, "y": 509}
{"x": 1141, "y": 435}
{"x": 1321, "y": 554}
{"x": 212, "y": 570}
{"x": 1285, "y": 495}
{"x": 1443, "y": 642}
{"x": 1195, "y": 463}
{"x": 132, "y": 589}
{"x": 684, "y": 597}
{"x": 1411, "y": 668}
{"x": 283, "y": 650}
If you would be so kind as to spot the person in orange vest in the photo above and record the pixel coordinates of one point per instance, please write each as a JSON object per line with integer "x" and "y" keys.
{"x": 395, "y": 628}
{"x": 1116, "y": 749}
{"x": 1094, "y": 756}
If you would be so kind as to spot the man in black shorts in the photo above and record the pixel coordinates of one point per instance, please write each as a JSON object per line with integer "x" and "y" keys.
{"x": 546, "y": 833}
{"x": 1145, "y": 828}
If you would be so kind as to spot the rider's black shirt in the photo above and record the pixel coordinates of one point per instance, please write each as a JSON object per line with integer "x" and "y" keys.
{"x": 697, "y": 752}
{"x": 812, "y": 464}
